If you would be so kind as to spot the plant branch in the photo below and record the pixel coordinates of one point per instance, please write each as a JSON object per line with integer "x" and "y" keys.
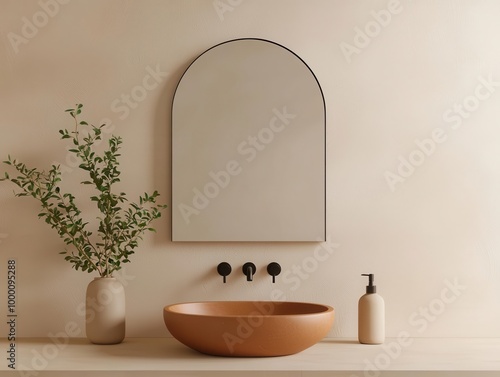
{"x": 119, "y": 228}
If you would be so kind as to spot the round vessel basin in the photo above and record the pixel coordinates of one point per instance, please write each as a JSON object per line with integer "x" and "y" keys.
{"x": 248, "y": 328}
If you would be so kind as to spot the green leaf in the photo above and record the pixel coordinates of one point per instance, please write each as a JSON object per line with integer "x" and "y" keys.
{"x": 119, "y": 229}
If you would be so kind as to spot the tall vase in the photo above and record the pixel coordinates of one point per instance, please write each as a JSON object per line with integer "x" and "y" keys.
{"x": 105, "y": 311}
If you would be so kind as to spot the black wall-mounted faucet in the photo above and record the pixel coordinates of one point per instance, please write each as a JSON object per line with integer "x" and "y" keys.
{"x": 224, "y": 269}
{"x": 249, "y": 270}
{"x": 274, "y": 270}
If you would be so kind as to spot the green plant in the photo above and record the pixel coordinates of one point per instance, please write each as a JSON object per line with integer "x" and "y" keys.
{"x": 121, "y": 224}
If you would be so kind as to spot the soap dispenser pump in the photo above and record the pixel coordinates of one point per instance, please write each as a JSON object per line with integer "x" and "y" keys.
{"x": 371, "y": 315}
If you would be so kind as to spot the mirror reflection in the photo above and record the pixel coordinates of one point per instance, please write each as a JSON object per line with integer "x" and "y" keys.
{"x": 248, "y": 147}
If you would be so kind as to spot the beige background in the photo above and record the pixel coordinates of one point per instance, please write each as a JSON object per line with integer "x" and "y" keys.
{"x": 437, "y": 228}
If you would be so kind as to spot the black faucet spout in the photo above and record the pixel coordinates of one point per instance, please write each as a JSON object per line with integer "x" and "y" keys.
{"x": 249, "y": 274}
{"x": 249, "y": 270}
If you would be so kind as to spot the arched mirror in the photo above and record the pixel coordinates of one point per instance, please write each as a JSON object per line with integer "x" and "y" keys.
{"x": 248, "y": 147}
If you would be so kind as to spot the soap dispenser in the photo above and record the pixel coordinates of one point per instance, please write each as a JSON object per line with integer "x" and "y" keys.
{"x": 371, "y": 315}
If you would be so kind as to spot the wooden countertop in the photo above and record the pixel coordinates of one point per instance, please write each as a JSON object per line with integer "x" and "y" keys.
{"x": 408, "y": 357}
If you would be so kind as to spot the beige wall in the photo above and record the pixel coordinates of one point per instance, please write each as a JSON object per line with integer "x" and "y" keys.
{"x": 428, "y": 75}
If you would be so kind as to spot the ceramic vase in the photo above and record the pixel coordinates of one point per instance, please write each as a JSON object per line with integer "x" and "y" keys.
{"x": 105, "y": 311}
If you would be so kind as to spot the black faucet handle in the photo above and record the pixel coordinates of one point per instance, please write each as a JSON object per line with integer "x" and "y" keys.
{"x": 224, "y": 269}
{"x": 274, "y": 270}
{"x": 249, "y": 270}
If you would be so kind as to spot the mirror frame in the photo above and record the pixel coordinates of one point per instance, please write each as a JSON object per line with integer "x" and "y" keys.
{"x": 321, "y": 238}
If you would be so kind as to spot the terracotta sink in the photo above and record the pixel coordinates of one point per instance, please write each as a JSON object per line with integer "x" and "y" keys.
{"x": 248, "y": 328}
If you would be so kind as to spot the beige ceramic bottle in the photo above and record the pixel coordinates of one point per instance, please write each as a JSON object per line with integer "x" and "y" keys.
{"x": 371, "y": 315}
